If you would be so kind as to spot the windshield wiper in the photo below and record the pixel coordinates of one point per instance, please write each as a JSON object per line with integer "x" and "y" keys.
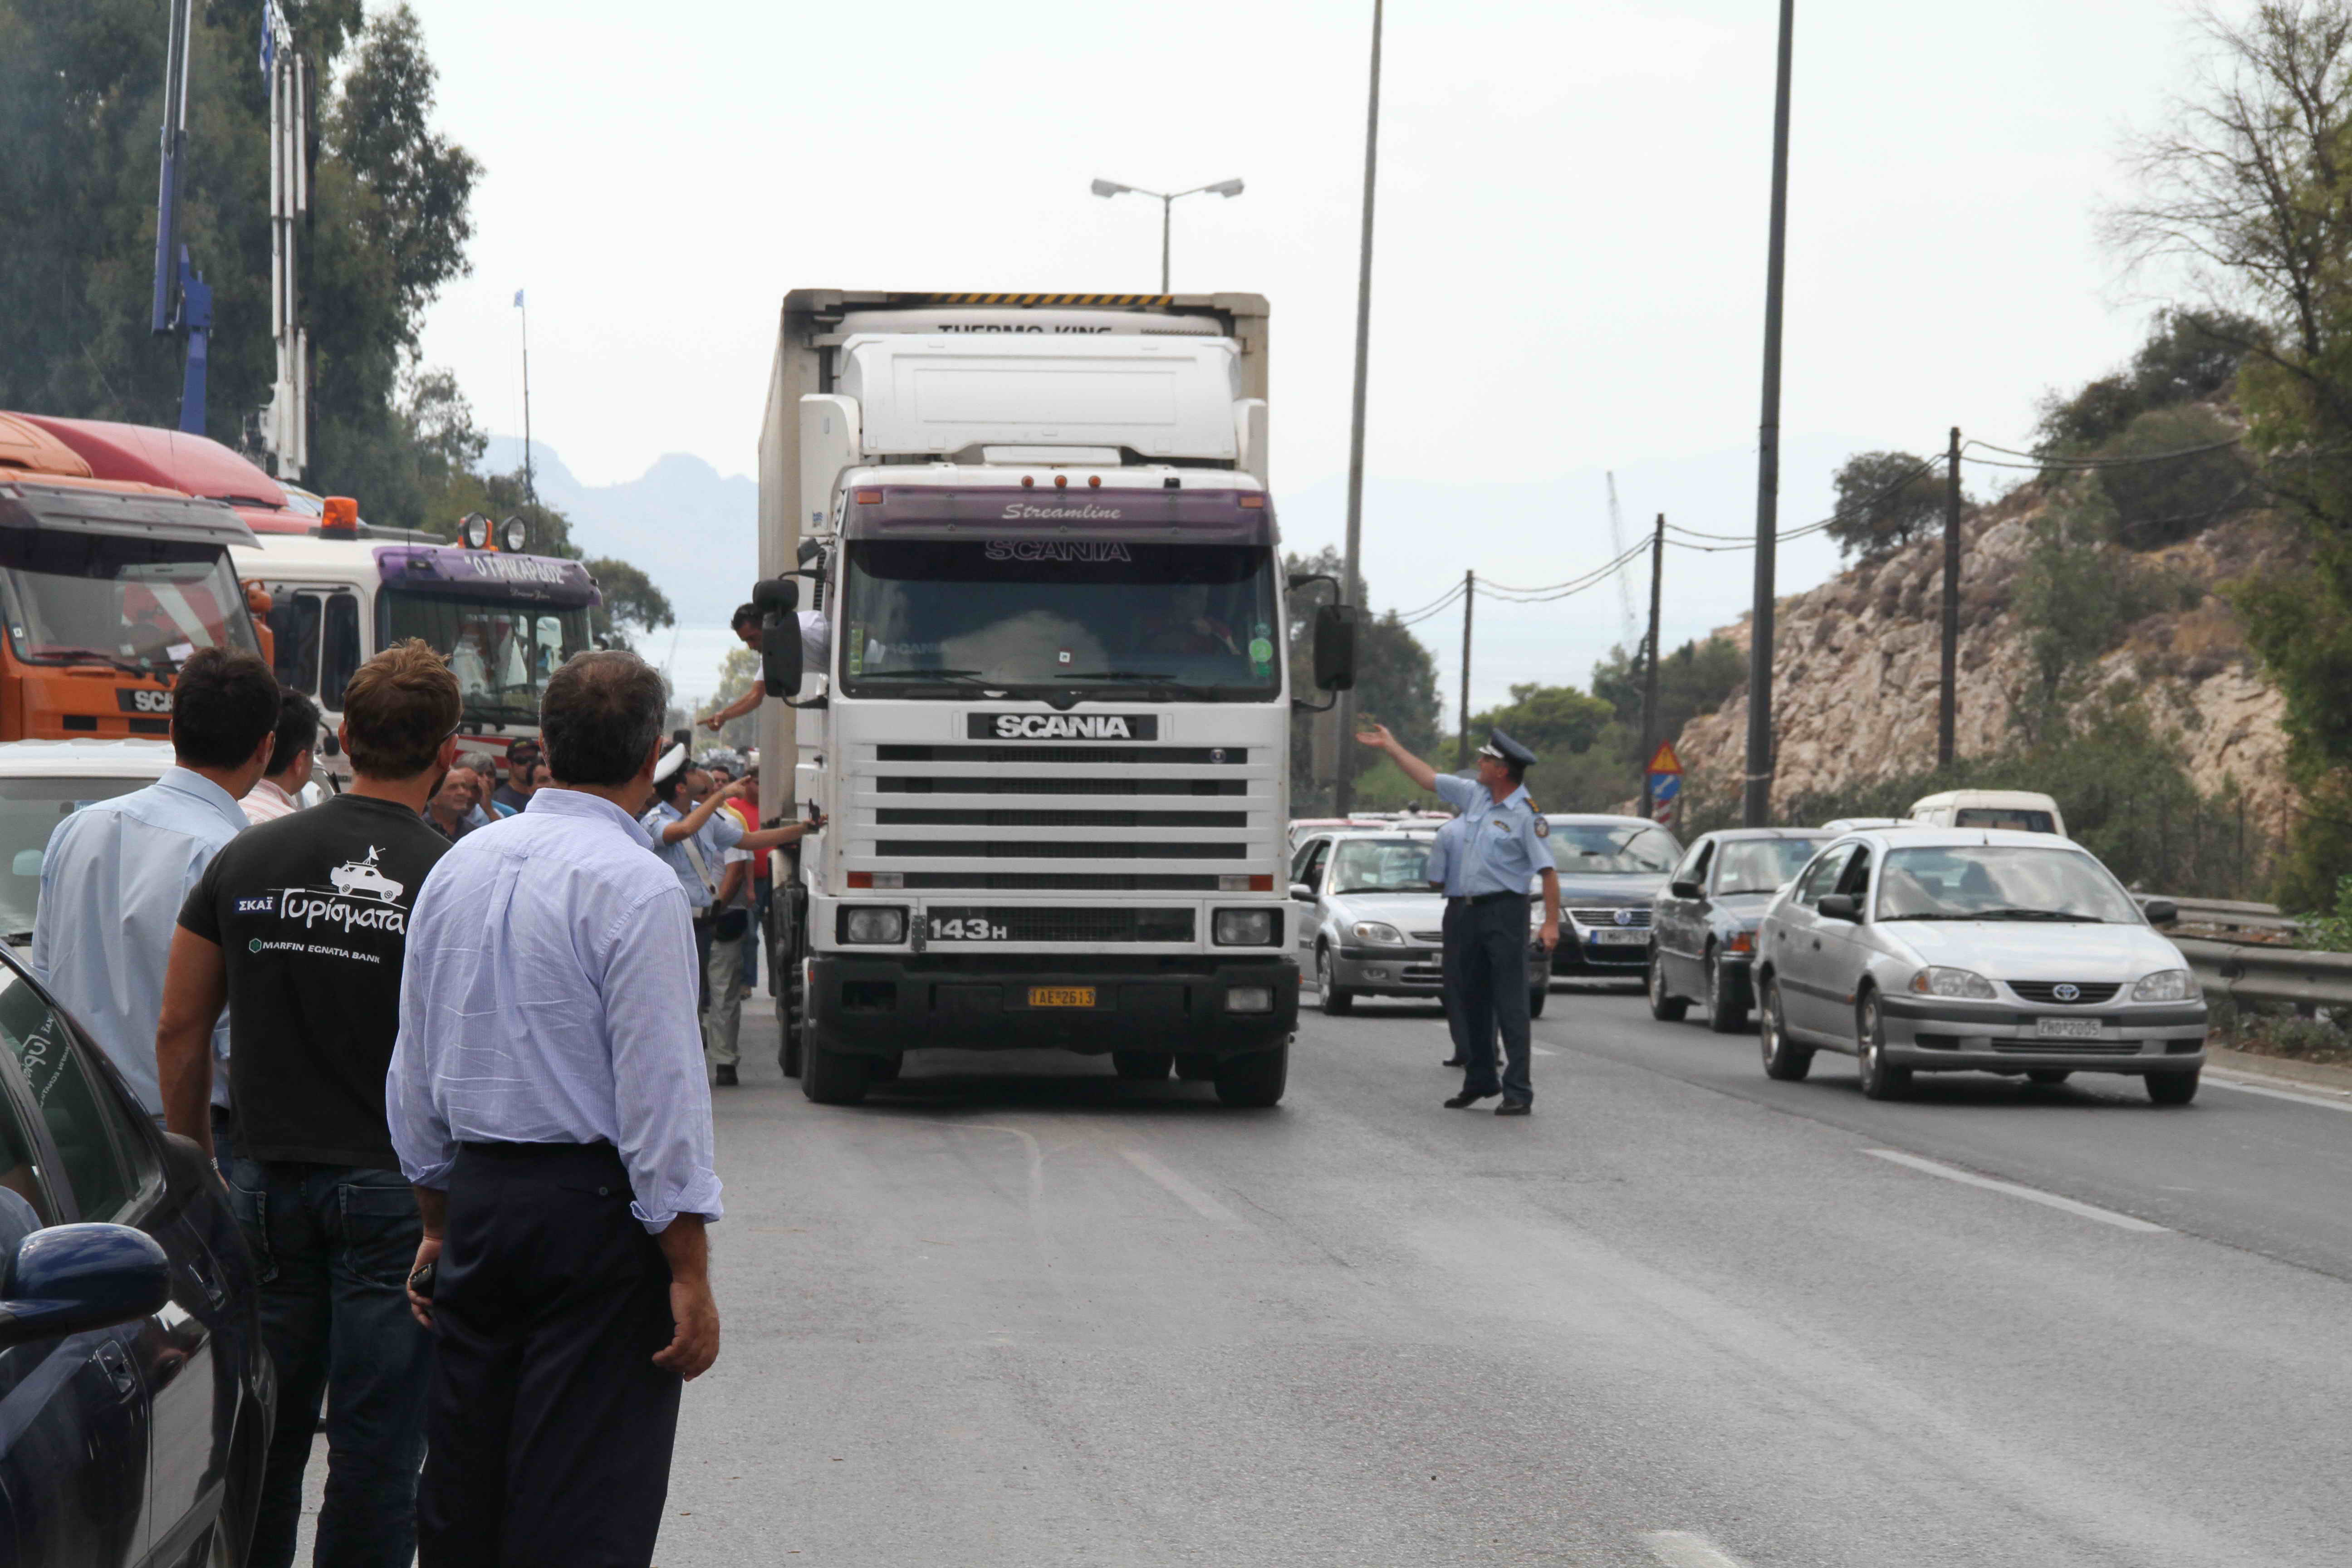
{"x": 93, "y": 656}
{"x": 2069, "y": 916}
{"x": 1153, "y": 682}
{"x": 942, "y": 677}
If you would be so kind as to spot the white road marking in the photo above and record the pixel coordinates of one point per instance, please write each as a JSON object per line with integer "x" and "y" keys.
{"x": 1686, "y": 1548}
{"x": 1543, "y": 1051}
{"x": 2312, "y": 1096}
{"x": 2030, "y": 1195}
{"x": 1193, "y": 1197}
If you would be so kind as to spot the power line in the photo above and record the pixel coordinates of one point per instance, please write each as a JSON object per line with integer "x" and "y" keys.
{"x": 2039, "y": 462}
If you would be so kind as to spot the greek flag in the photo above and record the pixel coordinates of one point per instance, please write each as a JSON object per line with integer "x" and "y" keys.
{"x": 518, "y": 298}
{"x": 268, "y": 36}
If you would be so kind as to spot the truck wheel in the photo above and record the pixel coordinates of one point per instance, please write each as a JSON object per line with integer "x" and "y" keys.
{"x": 1536, "y": 1000}
{"x": 1196, "y": 1068}
{"x": 2172, "y": 1088}
{"x": 832, "y": 1078}
{"x": 1724, "y": 1016}
{"x": 1783, "y": 1059}
{"x": 1336, "y": 999}
{"x": 1665, "y": 1005}
{"x": 1253, "y": 1080}
{"x": 1146, "y": 1067}
{"x": 788, "y": 1055}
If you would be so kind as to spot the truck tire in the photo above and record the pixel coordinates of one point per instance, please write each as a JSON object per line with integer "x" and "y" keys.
{"x": 1196, "y": 1068}
{"x": 1256, "y": 1081}
{"x": 1144, "y": 1066}
{"x": 832, "y": 1077}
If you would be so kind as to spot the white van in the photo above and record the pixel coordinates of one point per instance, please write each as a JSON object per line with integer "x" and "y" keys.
{"x": 2019, "y": 810}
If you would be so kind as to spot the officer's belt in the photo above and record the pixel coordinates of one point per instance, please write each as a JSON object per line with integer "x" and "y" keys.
{"x": 1492, "y": 897}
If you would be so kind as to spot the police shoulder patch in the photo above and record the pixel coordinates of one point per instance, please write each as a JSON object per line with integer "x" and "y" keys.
{"x": 1543, "y": 828}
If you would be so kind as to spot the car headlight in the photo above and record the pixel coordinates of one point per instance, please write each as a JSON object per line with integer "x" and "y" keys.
{"x": 2166, "y": 985}
{"x": 1936, "y": 982}
{"x": 1242, "y": 928}
{"x": 882, "y": 925}
{"x": 1377, "y": 931}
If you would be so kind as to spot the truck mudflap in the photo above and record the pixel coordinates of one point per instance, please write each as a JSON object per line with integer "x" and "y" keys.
{"x": 886, "y": 1004}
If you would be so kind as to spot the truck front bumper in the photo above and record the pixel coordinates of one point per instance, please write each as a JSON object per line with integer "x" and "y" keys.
{"x": 884, "y": 1003}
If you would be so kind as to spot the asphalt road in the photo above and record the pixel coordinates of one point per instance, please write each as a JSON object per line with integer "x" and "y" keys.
{"x": 1014, "y": 1311}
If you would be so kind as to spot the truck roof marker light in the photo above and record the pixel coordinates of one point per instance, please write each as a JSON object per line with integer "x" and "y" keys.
{"x": 869, "y": 498}
{"x": 340, "y": 514}
{"x": 1256, "y": 503}
{"x": 1028, "y": 481}
{"x": 1061, "y": 481}
{"x": 861, "y": 878}
{"x": 1094, "y": 481}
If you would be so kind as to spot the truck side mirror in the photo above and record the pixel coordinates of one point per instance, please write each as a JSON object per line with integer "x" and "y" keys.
{"x": 780, "y": 635}
{"x": 1335, "y": 648}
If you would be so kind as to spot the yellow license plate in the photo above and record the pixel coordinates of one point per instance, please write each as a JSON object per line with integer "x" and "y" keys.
{"x": 1061, "y": 995}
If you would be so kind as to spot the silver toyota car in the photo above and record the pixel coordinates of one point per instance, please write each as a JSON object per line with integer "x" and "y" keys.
{"x": 1942, "y": 949}
{"x": 1369, "y": 924}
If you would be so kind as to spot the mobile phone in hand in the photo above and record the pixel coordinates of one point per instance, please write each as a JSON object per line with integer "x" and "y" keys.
{"x": 422, "y": 1281}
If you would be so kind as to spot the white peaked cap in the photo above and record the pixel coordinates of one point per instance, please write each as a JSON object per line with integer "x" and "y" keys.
{"x": 672, "y": 760}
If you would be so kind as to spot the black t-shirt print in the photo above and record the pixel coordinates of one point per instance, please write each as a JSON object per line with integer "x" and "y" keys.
{"x": 311, "y": 914}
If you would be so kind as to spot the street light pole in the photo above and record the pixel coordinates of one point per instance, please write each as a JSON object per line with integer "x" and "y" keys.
{"x": 1167, "y": 200}
{"x": 1756, "y": 799}
{"x": 1343, "y": 792}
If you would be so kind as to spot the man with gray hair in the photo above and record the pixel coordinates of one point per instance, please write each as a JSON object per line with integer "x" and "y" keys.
{"x": 548, "y": 1101}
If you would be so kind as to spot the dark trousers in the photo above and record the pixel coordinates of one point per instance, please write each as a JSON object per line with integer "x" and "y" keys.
{"x": 548, "y": 1426}
{"x": 1450, "y": 979}
{"x": 333, "y": 1246}
{"x": 1494, "y": 970}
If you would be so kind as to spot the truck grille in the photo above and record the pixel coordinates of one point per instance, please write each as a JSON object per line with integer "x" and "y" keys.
{"x": 991, "y": 817}
{"x": 2086, "y": 994}
{"x": 1031, "y": 757}
{"x": 1064, "y": 881}
{"x": 1034, "y": 922}
{"x": 1052, "y": 849}
{"x": 984, "y": 786}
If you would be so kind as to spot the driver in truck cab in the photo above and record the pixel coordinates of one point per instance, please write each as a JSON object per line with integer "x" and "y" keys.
{"x": 816, "y": 652}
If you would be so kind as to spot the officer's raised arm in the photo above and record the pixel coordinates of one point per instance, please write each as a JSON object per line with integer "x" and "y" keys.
{"x": 1377, "y": 736}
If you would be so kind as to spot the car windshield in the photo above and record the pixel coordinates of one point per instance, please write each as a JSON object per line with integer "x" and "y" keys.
{"x": 1014, "y": 614}
{"x": 2017, "y": 819}
{"x": 30, "y": 810}
{"x": 1611, "y": 848}
{"x": 1760, "y": 865}
{"x": 1380, "y": 865}
{"x": 500, "y": 653}
{"x": 146, "y": 603}
{"x": 2001, "y": 883}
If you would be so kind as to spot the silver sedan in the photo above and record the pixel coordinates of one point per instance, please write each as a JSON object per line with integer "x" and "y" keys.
{"x": 1928, "y": 949}
{"x": 1369, "y": 924}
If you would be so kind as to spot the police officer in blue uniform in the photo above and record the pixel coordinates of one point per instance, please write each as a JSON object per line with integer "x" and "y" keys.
{"x": 1503, "y": 849}
{"x": 1445, "y": 878}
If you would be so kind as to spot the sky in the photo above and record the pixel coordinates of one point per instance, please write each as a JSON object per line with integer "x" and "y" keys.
{"x": 1569, "y": 268}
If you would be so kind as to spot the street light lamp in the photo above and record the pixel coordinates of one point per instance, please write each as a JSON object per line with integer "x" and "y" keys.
{"x": 1167, "y": 201}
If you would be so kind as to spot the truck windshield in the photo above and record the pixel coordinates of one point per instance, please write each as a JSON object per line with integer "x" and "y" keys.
{"x": 73, "y": 598}
{"x": 500, "y": 653}
{"x": 1059, "y": 613}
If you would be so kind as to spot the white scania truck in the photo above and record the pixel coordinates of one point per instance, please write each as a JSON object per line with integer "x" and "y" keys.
{"x": 1051, "y": 737}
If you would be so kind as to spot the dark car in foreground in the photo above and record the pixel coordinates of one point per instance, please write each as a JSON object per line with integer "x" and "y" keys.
{"x": 135, "y": 1395}
{"x": 1703, "y": 922}
{"x": 1611, "y": 868}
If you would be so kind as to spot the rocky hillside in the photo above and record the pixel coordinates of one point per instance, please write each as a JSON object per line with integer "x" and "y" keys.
{"x": 1856, "y": 661}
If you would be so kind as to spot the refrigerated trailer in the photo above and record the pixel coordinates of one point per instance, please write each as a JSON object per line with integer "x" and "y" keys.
{"x": 1051, "y": 733}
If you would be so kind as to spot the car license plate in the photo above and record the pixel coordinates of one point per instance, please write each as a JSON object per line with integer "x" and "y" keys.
{"x": 2066, "y": 1029}
{"x": 1061, "y": 995}
{"x": 1619, "y": 938}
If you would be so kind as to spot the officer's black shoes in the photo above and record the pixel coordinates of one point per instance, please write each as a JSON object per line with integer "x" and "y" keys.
{"x": 1515, "y": 1108}
{"x": 1467, "y": 1099}
{"x": 727, "y": 1078}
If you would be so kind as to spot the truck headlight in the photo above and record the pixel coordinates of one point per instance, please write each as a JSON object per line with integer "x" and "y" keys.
{"x": 874, "y": 925}
{"x": 2166, "y": 985}
{"x": 1242, "y": 928}
{"x": 1960, "y": 983}
{"x": 1378, "y": 932}
{"x": 1249, "y": 999}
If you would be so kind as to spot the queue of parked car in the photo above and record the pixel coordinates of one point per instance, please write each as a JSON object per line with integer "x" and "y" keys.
{"x": 1972, "y": 935}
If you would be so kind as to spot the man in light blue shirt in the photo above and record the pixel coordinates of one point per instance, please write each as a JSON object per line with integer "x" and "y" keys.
{"x": 547, "y": 1099}
{"x": 116, "y": 872}
{"x": 1503, "y": 849}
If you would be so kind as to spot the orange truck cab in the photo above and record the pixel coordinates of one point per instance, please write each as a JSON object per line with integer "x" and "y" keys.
{"x": 106, "y": 586}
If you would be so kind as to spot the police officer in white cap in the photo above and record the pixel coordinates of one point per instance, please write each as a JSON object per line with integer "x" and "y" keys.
{"x": 1502, "y": 850}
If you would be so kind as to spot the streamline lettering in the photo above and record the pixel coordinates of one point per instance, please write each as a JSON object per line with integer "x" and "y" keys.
{"x": 1021, "y": 510}
{"x": 307, "y": 908}
{"x": 1057, "y": 548}
{"x": 1063, "y": 727}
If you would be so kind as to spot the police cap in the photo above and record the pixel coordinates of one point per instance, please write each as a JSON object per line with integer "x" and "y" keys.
{"x": 1503, "y": 747}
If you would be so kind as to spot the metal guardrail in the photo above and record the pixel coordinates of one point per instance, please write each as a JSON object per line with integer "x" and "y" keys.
{"x": 2250, "y": 973}
{"x": 2225, "y": 914}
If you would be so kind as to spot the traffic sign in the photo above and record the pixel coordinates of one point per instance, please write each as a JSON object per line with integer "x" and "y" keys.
{"x": 1666, "y": 783}
{"x": 1667, "y": 761}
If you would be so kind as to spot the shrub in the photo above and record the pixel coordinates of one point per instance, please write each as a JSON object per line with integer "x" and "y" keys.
{"x": 2189, "y": 355}
{"x": 1884, "y": 500}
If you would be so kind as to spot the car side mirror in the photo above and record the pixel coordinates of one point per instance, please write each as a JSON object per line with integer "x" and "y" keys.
{"x": 2161, "y": 911}
{"x": 1841, "y": 907}
{"x": 70, "y": 1278}
{"x": 780, "y": 635}
{"x": 1301, "y": 891}
{"x": 1335, "y": 648}
{"x": 1685, "y": 890}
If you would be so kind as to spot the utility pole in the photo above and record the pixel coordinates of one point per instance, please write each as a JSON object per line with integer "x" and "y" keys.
{"x": 1756, "y": 800}
{"x": 1462, "y": 740}
{"x": 1948, "y": 706}
{"x": 286, "y": 432}
{"x": 1650, "y": 676}
{"x": 1351, "y": 589}
{"x": 183, "y": 301}
{"x": 529, "y": 489}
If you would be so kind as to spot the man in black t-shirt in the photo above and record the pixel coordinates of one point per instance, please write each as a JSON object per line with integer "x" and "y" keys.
{"x": 300, "y": 927}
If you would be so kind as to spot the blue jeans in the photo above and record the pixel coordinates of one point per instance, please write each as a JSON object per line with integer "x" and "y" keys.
{"x": 333, "y": 1246}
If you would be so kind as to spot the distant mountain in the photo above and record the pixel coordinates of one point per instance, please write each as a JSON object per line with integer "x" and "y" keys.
{"x": 692, "y": 530}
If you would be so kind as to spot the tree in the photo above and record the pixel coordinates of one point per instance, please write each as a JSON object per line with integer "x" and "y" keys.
{"x": 2246, "y": 193}
{"x": 2190, "y": 356}
{"x": 1396, "y": 679}
{"x": 1694, "y": 679}
{"x": 1549, "y": 720}
{"x": 1886, "y": 500}
{"x": 633, "y": 606}
{"x": 736, "y": 673}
